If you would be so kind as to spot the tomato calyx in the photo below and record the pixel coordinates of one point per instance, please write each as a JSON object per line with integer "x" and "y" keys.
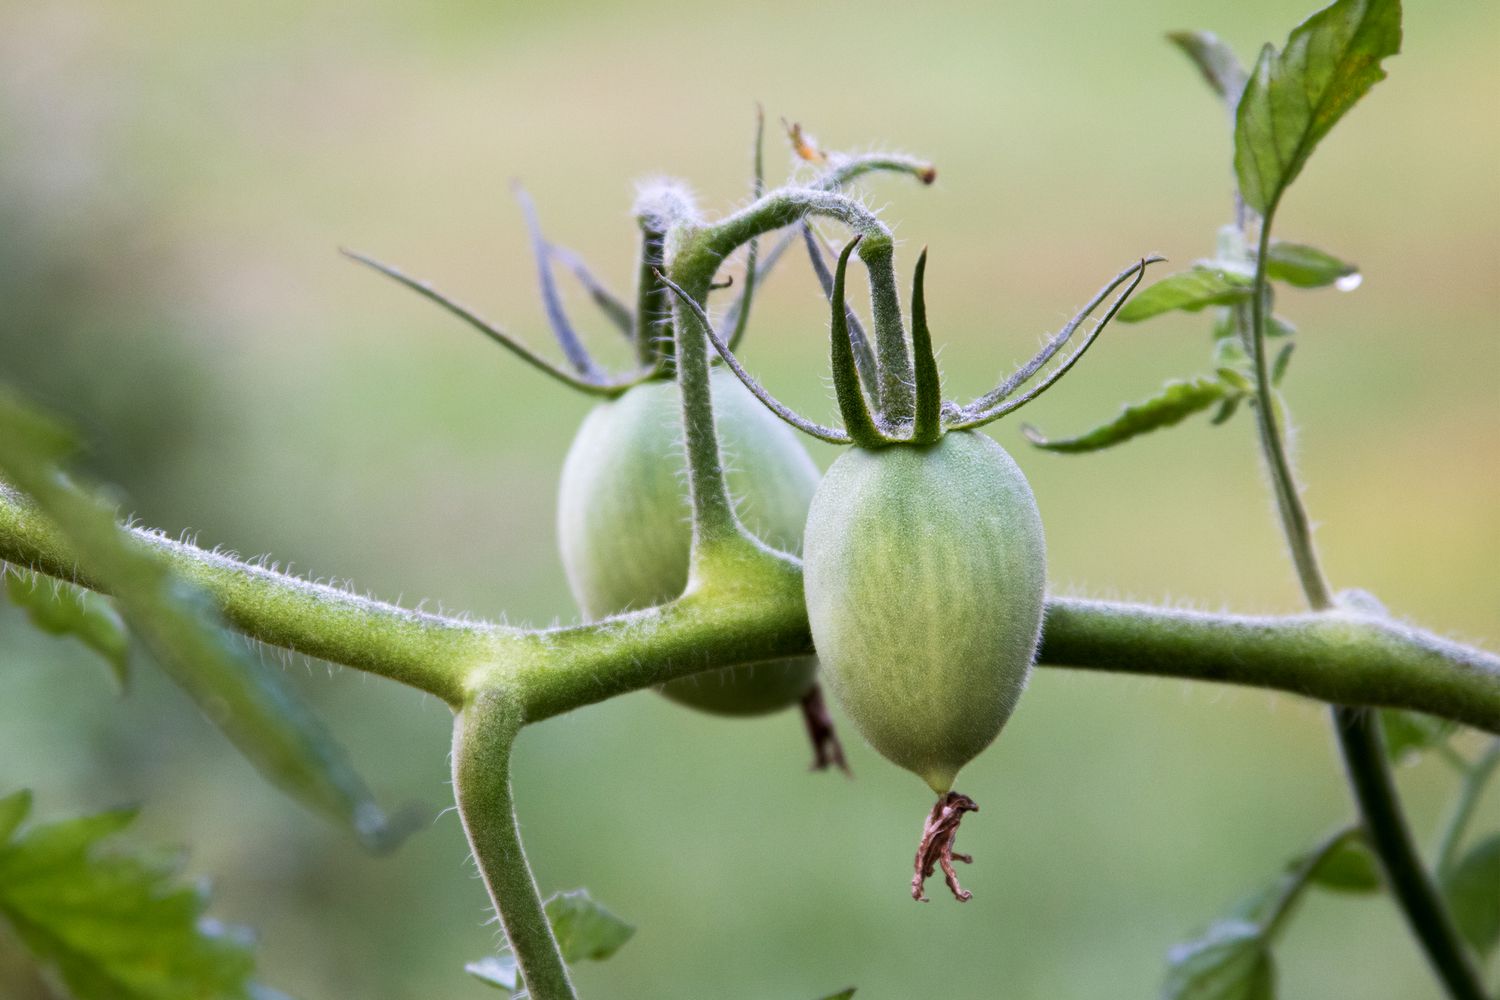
{"x": 936, "y": 847}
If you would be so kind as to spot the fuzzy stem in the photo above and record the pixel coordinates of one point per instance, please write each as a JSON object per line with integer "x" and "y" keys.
{"x": 1343, "y": 656}
{"x": 483, "y": 735}
{"x": 1358, "y": 730}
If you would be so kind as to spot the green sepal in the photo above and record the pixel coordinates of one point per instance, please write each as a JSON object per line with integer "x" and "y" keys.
{"x": 1176, "y": 401}
{"x": 1295, "y": 96}
{"x": 62, "y": 609}
{"x": 855, "y": 410}
{"x": 928, "y": 425}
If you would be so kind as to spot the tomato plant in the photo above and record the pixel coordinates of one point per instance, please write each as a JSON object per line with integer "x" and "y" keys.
{"x": 919, "y": 587}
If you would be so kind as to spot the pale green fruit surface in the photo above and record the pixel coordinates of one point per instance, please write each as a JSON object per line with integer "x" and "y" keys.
{"x": 625, "y": 523}
{"x": 925, "y": 573}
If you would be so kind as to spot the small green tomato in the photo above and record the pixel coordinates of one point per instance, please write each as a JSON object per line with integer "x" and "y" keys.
{"x": 925, "y": 584}
{"x": 924, "y": 562}
{"x": 625, "y": 524}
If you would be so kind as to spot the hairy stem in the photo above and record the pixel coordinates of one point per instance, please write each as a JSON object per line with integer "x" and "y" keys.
{"x": 1359, "y": 733}
{"x": 483, "y": 736}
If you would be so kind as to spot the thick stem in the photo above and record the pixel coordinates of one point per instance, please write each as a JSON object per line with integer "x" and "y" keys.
{"x": 1359, "y": 733}
{"x": 483, "y": 735}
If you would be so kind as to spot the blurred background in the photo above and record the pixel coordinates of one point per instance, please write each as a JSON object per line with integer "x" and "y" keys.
{"x": 175, "y": 178}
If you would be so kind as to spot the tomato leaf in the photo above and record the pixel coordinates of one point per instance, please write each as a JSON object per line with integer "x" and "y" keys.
{"x": 1176, "y": 401}
{"x": 61, "y": 609}
{"x": 1349, "y": 867}
{"x": 1472, "y": 889}
{"x": 1232, "y": 961}
{"x": 113, "y": 925}
{"x": 841, "y": 995}
{"x": 1216, "y": 61}
{"x": 584, "y": 929}
{"x": 1295, "y": 96}
{"x": 248, "y": 701}
{"x": 1189, "y": 291}
{"x": 1409, "y": 733}
{"x": 1304, "y": 266}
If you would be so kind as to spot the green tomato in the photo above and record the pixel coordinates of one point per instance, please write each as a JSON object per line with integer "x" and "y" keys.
{"x": 625, "y": 522}
{"x": 925, "y": 576}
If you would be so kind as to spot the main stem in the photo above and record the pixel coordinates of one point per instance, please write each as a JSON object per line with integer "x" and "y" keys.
{"x": 1358, "y": 729}
{"x": 483, "y": 735}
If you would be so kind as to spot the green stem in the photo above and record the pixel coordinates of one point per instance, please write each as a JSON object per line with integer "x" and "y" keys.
{"x": 1344, "y": 656}
{"x": 1358, "y": 730}
{"x": 1476, "y": 776}
{"x": 483, "y": 735}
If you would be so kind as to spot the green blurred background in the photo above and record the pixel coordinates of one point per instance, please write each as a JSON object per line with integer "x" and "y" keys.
{"x": 175, "y": 177}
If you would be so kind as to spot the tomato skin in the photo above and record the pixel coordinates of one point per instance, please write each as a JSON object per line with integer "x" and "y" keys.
{"x": 925, "y": 580}
{"x": 625, "y": 522}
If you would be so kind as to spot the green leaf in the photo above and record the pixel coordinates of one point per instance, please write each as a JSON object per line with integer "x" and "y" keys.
{"x": 1473, "y": 892}
{"x": 13, "y": 809}
{"x": 1409, "y": 733}
{"x": 1304, "y": 266}
{"x": 1216, "y": 61}
{"x": 1349, "y": 867}
{"x": 1231, "y": 962}
{"x": 1176, "y": 401}
{"x": 1279, "y": 366}
{"x": 61, "y": 609}
{"x": 841, "y": 995}
{"x": 1294, "y": 97}
{"x": 115, "y": 926}
{"x": 584, "y": 929}
{"x": 249, "y": 702}
{"x": 1189, "y": 291}
{"x": 1279, "y": 326}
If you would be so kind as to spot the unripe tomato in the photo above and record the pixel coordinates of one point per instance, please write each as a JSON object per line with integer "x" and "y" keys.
{"x": 925, "y": 572}
{"x": 625, "y": 523}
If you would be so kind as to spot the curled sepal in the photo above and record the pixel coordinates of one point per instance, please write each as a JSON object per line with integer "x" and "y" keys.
{"x": 695, "y": 310}
{"x": 1134, "y": 274}
{"x": 557, "y": 317}
{"x": 928, "y": 425}
{"x": 864, "y": 357}
{"x": 858, "y": 420}
{"x": 741, "y": 312}
{"x": 614, "y": 308}
{"x": 598, "y": 386}
{"x": 936, "y": 847}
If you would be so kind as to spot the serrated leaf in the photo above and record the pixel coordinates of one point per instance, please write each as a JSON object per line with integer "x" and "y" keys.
{"x": 115, "y": 926}
{"x": 584, "y": 929}
{"x": 61, "y": 609}
{"x": 1472, "y": 889}
{"x": 1230, "y": 962}
{"x": 1216, "y": 61}
{"x": 1305, "y": 267}
{"x": 1349, "y": 867}
{"x": 1176, "y": 401}
{"x": 1294, "y": 97}
{"x": 1409, "y": 733}
{"x": 1188, "y": 291}
{"x": 248, "y": 701}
